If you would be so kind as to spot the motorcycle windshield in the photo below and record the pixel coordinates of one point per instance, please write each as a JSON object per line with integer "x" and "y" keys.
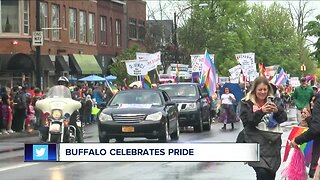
{"x": 59, "y": 92}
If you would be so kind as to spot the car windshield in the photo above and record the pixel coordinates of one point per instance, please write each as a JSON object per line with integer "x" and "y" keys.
{"x": 59, "y": 92}
{"x": 177, "y": 90}
{"x": 136, "y": 97}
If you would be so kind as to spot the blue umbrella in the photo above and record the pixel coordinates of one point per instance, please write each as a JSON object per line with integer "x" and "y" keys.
{"x": 111, "y": 78}
{"x": 92, "y": 78}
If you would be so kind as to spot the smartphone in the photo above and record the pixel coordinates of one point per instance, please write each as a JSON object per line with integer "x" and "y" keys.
{"x": 270, "y": 99}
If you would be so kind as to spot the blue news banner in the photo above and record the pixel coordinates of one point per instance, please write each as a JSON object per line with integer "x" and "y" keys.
{"x": 40, "y": 152}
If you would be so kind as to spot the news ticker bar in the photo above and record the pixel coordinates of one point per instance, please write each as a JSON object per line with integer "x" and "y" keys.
{"x": 143, "y": 152}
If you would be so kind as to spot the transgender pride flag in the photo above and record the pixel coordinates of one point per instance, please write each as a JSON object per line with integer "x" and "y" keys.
{"x": 208, "y": 74}
{"x": 282, "y": 78}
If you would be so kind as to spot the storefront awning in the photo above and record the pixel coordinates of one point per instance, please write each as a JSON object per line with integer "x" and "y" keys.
{"x": 84, "y": 64}
{"x": 61, "y": 64}
{"x": 46, "y": 63}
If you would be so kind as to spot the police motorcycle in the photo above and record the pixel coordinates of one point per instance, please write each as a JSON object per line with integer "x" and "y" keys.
{"x": 57, "y": 109}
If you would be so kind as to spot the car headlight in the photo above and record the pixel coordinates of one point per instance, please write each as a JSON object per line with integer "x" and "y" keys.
{"x": 105, "y": 117}
{"x": 154, "y": 117}
{"x": 191, "y": 106}
{"x": 56, "y": 114}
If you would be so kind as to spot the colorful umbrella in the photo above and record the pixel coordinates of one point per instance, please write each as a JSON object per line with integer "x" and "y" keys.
{"x": 306, "y": 148}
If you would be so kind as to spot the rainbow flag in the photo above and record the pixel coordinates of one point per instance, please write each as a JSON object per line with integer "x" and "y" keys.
{"x": 146, "y": 82}
{"x": 112, "y": 88}
{"x": 262, "y": 70}
{"x": 208, "y": 74}
{"x": 306, "y": 148}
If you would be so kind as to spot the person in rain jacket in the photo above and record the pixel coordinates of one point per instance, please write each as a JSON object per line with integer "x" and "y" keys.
{"x": 313, "y": 133}
{"x": 261, "y": 121}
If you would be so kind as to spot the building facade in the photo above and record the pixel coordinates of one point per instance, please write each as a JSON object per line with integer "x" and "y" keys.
{"x": 136, "y": 18}
{"x": 79, "y": 38}
{"x": 111, "y": 39}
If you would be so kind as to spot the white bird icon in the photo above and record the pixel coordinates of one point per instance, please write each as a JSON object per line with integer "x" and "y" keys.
{"x": 40, "y": 152}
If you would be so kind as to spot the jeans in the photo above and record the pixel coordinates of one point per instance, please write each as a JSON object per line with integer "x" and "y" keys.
{"x": 264, "y": 174}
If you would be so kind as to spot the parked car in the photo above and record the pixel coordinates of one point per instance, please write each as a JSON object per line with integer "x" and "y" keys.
{"x": 139, "y": 113}
{"x": 193, "y": 104}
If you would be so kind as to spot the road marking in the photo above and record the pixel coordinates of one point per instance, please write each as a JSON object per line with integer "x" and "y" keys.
{"x": 17, "y": 166}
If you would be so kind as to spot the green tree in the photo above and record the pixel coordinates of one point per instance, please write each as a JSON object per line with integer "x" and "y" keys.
{"x": 227, "y": 28}
{"x": 276, "y": 39}
{"x": 313, "y": 29}
{"x": 119, "y": 69}
{"x": 220, "y": 28}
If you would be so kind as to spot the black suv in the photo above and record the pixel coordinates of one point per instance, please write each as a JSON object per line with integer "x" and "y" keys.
{"x": 193, "y": 104}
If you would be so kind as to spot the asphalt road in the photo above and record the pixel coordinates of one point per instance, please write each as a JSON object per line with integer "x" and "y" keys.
{"x": 13, "y": 167}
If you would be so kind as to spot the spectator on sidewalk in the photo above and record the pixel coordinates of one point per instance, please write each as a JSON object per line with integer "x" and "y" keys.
{"x": 301, "y": 96}
{"x": 19, "y": 109}
{"x": 6, "y": 113}
{"x": 261, "y": 121}
{"x": 30, "y": 119}
{"x": 313, "y": 133}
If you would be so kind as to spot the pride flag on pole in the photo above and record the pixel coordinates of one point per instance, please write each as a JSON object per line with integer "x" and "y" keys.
{"x": 112, "y": 88}
{"x": 146, "y": 81}
{"x": 209, "y": 74}
{"x": 281, "y": 78}
{"x": 306, "y": 148}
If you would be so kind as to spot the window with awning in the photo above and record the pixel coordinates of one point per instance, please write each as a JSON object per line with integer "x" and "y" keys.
{"x": 85, "y": 64}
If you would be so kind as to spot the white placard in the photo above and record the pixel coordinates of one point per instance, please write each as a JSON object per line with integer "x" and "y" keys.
{"x": 137, "y": 68}
{"x": 234, "y": 79}
{"x": 223, "y": 80}
{"x": 37, "y": 38}
{"x": 183, "y": 70}
{"x": 245, "y": 58}
{"x": 249, "y": 69}
{"x": 152, "y": 59}
{"x": 235, "y": 71}
{"x": 294, "y": 81}
{"x": 163, "y": 152}
{"x": 197, "y": 61}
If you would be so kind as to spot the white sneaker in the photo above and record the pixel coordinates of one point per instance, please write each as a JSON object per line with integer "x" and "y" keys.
{"x": 10, "y": 131}
{"x": 5, "y": 132}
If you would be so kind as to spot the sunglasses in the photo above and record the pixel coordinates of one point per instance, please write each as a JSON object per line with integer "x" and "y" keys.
{"x": 304, "y": 112}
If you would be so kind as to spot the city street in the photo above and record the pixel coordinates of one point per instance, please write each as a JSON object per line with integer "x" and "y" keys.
{"x": 13, "y": 167}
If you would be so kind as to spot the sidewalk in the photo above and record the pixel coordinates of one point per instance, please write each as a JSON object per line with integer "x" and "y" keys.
{"x": 19, "y": 134}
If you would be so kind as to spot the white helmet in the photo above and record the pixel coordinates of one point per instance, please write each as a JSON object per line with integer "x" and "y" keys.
{"x": 63, "y": 81}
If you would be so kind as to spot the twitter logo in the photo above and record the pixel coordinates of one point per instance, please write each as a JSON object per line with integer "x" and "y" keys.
{"x": 40, "y": 152}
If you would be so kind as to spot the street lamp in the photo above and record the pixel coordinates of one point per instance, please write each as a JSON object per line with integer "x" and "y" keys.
{"x": 175, "y": 17}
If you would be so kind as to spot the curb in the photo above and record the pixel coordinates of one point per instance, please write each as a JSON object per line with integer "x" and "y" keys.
{"x": 19, "y": 134}
{"x": 22, "y": 148}
{"x": 11, "y": 149}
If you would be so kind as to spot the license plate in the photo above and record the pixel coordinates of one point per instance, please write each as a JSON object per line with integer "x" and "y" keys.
{"x": 127, "y": 129}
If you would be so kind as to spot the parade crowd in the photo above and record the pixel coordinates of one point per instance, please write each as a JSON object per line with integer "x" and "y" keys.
{"x": 259, "y": 116}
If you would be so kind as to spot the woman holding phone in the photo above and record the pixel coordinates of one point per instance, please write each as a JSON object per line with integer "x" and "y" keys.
{"x": 261, "y": 115}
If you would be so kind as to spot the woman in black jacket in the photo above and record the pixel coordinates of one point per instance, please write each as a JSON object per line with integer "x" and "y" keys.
{"x": 261, "y": 120}
{"x": 313, "y": 133}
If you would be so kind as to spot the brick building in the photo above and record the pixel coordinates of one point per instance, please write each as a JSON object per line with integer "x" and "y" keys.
{"x": 136, "y": 18}
{"x": 111, "y": 39}
{"x": 80, "y": 37}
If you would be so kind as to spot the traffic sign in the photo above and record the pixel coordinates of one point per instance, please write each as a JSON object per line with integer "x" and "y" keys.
{"x": 37, "y": 38}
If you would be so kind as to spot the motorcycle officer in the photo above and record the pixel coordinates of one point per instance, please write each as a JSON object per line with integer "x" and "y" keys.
{"x": 75, "y": 116}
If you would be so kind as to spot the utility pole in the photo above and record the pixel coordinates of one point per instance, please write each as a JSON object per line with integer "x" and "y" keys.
{"x": 38, "y": 49}
{"x": 175, "y": 41}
